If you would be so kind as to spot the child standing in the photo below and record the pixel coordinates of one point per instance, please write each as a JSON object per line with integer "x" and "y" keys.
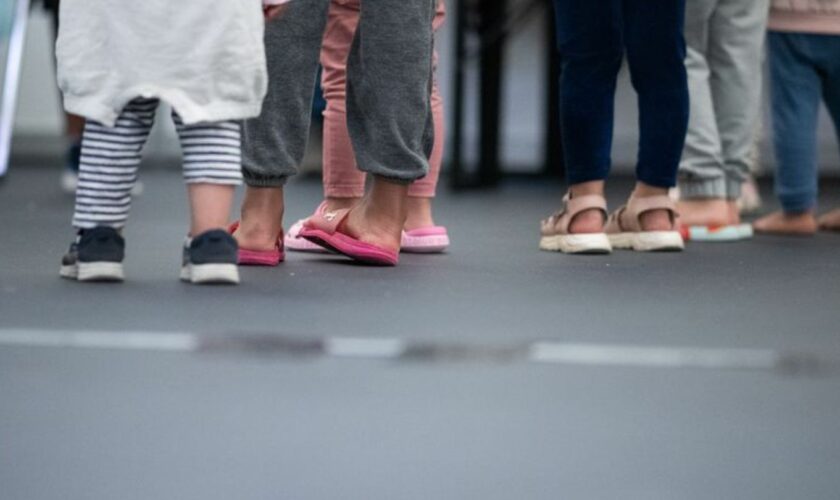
{"x": 344, "y": 183}
{"x": 804, "y": 46}
{"x": 116, "y": 61}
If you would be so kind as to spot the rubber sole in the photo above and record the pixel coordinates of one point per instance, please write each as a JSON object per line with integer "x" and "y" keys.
{"x": 587, "y": 244}
{"x": 736, "y": 232}
{"x": 649, "y": 241}
{"x": 206, "y": 274}
{"x": 94, "y": 271}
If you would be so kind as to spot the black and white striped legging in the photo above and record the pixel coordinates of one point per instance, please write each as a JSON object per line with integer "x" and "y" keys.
{"x": 111, "y": 155}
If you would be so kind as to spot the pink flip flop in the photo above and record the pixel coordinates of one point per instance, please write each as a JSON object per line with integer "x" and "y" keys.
{"x": 323, "y": 230}
{"x": 260, "y": 257}
{"x": 431, "y": 239}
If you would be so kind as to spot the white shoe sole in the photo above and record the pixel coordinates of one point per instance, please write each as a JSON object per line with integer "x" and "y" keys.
{"x": 596, "y": 243}
{"x": 94, "y": 271}
{"x": 649, "y": 241}
{"x": 210, "y": 273}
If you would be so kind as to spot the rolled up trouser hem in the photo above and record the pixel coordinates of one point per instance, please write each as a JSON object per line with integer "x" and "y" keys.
{"x": 257, "y": 180}
{"x": 703, "y": 188}
{"x": 394, "y": 180}
{"x": 733, "y": 188}
{"x": 797, "y": 204}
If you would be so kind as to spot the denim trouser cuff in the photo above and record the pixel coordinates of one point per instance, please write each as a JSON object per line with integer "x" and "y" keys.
{"x": 703, "y": 188}
{"x": 797, "y": 204}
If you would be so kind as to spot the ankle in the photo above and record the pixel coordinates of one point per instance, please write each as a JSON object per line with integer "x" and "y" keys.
{"x": 419, "y": 213}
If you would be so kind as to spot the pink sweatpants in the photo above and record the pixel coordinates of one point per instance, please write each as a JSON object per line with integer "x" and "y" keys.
{"x": 341, "y": 177}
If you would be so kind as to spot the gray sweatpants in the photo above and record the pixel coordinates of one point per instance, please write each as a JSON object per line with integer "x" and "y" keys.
{"x": 725, "y": 40}
{"x": 389, "y": 75}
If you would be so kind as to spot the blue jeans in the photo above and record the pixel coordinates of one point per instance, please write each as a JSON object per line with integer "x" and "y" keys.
{"x": 803, "y": 69}
{"x": 593, "y": 36}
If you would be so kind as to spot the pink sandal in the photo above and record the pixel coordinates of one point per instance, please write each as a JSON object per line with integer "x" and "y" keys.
{"x": 323, "y": 230}
{"x": 260, "y": 257}
{"x": 431, "y": 239}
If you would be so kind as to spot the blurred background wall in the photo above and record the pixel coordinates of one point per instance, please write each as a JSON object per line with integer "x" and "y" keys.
{"x": 38, "y": 122}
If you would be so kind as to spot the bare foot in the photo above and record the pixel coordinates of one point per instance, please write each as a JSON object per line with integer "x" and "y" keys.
{"x": 419, "y": 213}
{"x": 261, "y": 219}
{"x": 707, "y": 212}
{"x": 750, "y": 200}
{"x": 803, "y": 224}
{"x": 340, "y": 203}
{"x": 830, "y": 221}
{"x": 380, "y": 216}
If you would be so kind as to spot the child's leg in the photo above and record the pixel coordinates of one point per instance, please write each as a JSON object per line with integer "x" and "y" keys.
{"x": 656, "y": 52}
{"x": 831, "y": 96}
{"x": 343, "y": 182}
{"x": 796, "y": 90}
{"x": 795, "y": 97}
{"x": 212, "y": 170}
{"x": 108, "y": 168}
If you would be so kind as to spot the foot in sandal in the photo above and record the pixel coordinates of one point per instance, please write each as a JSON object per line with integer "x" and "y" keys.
{"x": 830, "y": 221}
{"x": 647, "y": 223}
{"x": 578, "y": 227}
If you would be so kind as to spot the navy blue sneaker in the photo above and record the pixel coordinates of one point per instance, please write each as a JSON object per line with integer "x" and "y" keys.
{"x": 210, "y": 257}
{"x": 96, "y": 255}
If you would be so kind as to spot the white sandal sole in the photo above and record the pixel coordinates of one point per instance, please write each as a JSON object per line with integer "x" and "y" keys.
{"x": 649, "y": 241}
{"x": 595, "y": 243}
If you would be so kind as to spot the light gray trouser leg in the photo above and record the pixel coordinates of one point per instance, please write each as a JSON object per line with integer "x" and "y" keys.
{"x": 725, "y": 40}
{"x": 389, "y": 82}
{"x": 273, "y": 144}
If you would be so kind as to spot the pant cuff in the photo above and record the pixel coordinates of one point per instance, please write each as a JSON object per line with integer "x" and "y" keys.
{"x": 733, "y": 188}
{"x": 797, "y": 204}
{"x": 256, "y": 180}
{"x": 703, "y": 188}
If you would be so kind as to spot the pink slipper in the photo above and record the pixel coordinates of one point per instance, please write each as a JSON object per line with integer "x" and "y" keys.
{"x": 260, "y": 257}
{"x": 323, "y": 230}
{"x": 431, "y": 239}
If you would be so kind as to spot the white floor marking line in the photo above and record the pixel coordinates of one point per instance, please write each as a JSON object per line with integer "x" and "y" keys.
{"x": 561, "y": 353}
{"x": 364, "y": 347}
{"x": 656, "y": 356}
{"x": 135, "y": 341}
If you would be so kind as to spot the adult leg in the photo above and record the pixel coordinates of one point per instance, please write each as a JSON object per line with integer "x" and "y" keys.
{"x": 795, "y": 93}
{"x": 108, "y": 169}
{"x": 702, "y": 179}
{"x": 590, "y": 44}
{"x": 274, "y": 143}
{"x": 389, "y": 118}
{"x": 831, "y": 96}
{"x": 653, "y": 31}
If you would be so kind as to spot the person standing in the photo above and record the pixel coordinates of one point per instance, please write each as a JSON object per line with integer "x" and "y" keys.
{"x": 593, "y": 38}
{"x": 804, "y": 48}
{"x": 725, "y": 40}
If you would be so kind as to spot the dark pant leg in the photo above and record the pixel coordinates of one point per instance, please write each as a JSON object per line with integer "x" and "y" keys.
{"x": 653, "y": 35}
{"x": 273, "y": 144}
{"x": 795, "y": 88}
{"x": 590, "y": 45}
{"x": 389, "y": 82}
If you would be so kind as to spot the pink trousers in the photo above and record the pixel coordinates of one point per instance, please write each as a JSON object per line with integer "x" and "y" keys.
{"x": 341, "y": 177}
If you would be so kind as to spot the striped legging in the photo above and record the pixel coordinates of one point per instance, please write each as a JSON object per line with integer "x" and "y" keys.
{"x": 111, "y": 155}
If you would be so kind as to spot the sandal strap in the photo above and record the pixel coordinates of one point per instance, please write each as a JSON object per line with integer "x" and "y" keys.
{"x": 636, "y": 207}
{"x": 572, "y": 207}
{"x": 327, "y": 221}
